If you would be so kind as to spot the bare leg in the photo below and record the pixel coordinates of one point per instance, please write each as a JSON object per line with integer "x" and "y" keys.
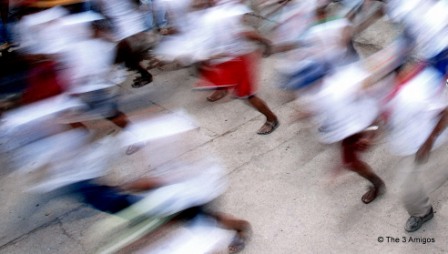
{"x": 351, "y": 147}
{"x": 271, "y": 119}
{"x": 119, "y": 119}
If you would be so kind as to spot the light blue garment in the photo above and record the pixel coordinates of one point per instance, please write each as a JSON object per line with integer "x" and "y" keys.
{"x": 155, "y": 17}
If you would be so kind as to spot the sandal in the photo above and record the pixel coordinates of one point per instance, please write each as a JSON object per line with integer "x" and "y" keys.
{"x": 139, "y": 82}
{"x": 134, "y": 148}
{"x": 268, "y": 127}
{"x": 217, "y": 95}
{"x": 372, "y": 194}
{"x": 238, "y": 244}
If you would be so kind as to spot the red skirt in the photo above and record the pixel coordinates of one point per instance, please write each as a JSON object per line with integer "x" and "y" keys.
{"x": 237, "y": 74}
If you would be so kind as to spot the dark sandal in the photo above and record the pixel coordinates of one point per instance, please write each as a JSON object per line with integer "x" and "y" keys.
{"x": 268, "y": 127}
{"x": 134, "y": 148}
{"x": 238, "y": 244}
{"x": 139, "y": 82}
{"x": 372, "y": 194}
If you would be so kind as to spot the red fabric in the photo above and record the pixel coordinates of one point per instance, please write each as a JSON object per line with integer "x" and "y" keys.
{"x": 42, "y": 83}
{"x": 237, "y": 74}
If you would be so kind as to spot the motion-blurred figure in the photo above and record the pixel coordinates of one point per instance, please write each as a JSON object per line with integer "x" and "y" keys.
{"x": 224, "y": 46}
{"x": 84, "y": 59}
{"x": 324, "y": 68}
{"x": 71, "y": 162}
{"x": 426, "y": 25}
{"x": 126, "y": 24}
{"x": 419, "y": 117}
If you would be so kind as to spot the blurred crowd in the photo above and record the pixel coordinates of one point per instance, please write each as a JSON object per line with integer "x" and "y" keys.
{"x": 62, "y": 63}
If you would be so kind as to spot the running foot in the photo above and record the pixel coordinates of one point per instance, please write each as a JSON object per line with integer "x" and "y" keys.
{"x": 240, "y": 239}
{"x": 217, "y": 95}
{"x": 139, "y": 82}
{"x": 268, "y": 127}
{"x": 238, "y": 244}
{"x": 134, "y": 148}
{"x": 372, "y": 194}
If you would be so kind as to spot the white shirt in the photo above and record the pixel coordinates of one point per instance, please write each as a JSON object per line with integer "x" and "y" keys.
{"x": 43, "y": 32}
{"x": 414, "y": 112}
{"x": 291, "y": 21}
{"x": 325, "y": 40}
{"x": 177, "y": 11}
{"x": 342, "y": 108}
{"x": 225, "y": 26}
{"x": 209, "y": 32}
{"x": 126, "y": 19}
{"x": 321, "y": 42}
{"x": 88, "y": 63}
{"x": 427, "y": 21}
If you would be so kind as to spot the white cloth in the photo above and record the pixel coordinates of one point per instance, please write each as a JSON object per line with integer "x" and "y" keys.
{"x": 42, "y": 32}
{"x": 342, "y": 108}
{"x": 225, "y": 25}
{"x": 67, "y": 158}
{"x": 88, "y": 63}
{"x": 426, "y": 21}
{"x": 320, "y": 43}
{"x": 201, "y": 187}
{"x": 52, "y": 30}
{"x": 414, "y": 112}
{"x": 210, "y": 32}
{"x": 325, "y": 40}
{"x": 126, "y": 19}
{"x": 190, "y": 44}
{"x": 177, "y": 11}
{"x": 291, "y": 21}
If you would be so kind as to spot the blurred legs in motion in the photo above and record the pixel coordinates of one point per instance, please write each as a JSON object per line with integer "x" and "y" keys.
{"x": 352, "y": 147}
{"x": 271, "y": 120}
{"x": 133, "y": 60}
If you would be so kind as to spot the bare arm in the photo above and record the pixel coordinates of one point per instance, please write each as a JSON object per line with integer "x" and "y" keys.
{"x": 143, "y": 184}
{"x": 424, "y": 151}
{"x": 255, "y": 36}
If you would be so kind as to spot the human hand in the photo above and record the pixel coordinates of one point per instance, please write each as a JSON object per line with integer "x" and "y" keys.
{"x": 423, "y": 153}
{"x": 268, "y": 49}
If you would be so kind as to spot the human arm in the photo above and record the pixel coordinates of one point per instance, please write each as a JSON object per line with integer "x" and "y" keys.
{"x": 422, "y": 154}
{"x": 255, "y": 36}
{"x": 143, "y": 184}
